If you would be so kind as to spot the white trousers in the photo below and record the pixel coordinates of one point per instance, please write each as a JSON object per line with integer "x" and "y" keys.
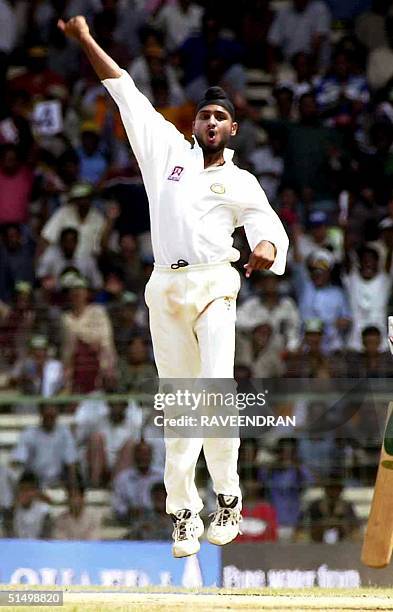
{"x": 192, "y": 312}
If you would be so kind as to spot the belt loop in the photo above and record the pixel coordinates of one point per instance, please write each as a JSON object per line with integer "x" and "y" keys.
{"x": 181, "y": 263}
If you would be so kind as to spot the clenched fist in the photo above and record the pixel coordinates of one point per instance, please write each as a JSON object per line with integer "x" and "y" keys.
{"x": 262, "y": 257}
{"x": 75, "y": 28}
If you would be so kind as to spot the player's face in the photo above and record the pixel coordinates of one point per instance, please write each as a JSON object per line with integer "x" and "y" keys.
{"x": 213, "y": 127}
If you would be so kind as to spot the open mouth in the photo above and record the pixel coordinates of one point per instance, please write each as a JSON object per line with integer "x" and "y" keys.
{"x": 211, "y": 135}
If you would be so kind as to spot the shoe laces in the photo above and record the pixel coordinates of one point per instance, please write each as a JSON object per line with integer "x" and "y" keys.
{"x": 183, "y": 529}
{"x": 224, "y": 516}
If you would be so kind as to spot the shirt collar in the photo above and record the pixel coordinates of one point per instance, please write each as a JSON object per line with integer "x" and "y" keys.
{"x": 228, "y": 155}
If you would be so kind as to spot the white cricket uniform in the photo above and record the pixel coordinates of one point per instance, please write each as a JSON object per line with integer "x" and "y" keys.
{"x": 192, "y": 309}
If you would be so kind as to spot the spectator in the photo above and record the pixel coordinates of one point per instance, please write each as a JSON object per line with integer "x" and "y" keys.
{"x": 268, "y": 164}
{"x": 331, "y": 519}
{"x": 285, "y": 481}
{"x": 89, "y": 354}
{"x": 136, "y": 368}
{"x": 318, "y": 298}
{"x": 47, "y": 449}
{"x": 289, "y": 208}
{"x": 39, "y": 81}
{"x": 260, "y": 351}
{"x": 304, "y": 79}
{"x": 310, "y": 361}
{"x": 178, "y": 21}
{"x": 131, "y": 488}
{"x": 266, "y": 304}
{"x": 318, "y": 236}
{"x": 255, "y": 24}
{"x": 154, "y": 525}
{"x": 210, "y": 44}
{"x": 80, "y": 214}
{"x": 343, "y": 94}
{"x": 181, "y": 115}
{"x": 30, "y": 516}
{"x": 78, "y": 522}
{"x": 384, "y": 244}
{"x": 38, "y": 373}
{"x": 63, "y": 255}
{"x": 16, "y": 183}
{"x": 303, "y": 26}
{"x": 17, "y": 250}
{"x": 368, "y": 293}
{"x": 18, "y": 323}
{"x": 109, "y": 448}
{"x": 123, "y": 313}
{"x": 152, "y": 64}
{"x": 259, "y": 522}
{"x": 374, "y": 361}
{"x": 92, "y": 161}
{"x": 283, "y": 97}
{"x": 308, "y": 151}
{"x": 365, "y": 208}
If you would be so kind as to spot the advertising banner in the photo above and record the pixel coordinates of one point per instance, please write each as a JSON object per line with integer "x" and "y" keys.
{"x": 299, "y": 566}
{"x": 106, "y": 563}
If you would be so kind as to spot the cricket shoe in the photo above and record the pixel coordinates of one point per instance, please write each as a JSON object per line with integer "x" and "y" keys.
{"x": 188, "y": 528}
{"x": 226, "y": 520}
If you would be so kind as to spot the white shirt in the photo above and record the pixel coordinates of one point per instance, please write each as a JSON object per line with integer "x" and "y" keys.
{"x": 52, "y": 263}
{"x": 46, "y": 452}
{"x": 193, "y": 210}
{"x": 284, "y": 319}
{"x": 89, "y": 231}
{"x": 177, "y": 24}
{"x": 140, "y": 73}
{"x": 368, "y": 301}
{"x": 294, "y": 31}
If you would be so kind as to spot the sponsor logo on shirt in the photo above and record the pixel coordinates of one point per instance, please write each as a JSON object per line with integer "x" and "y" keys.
{"x": 176, "y": 173}
{"x": 217, "y": 188}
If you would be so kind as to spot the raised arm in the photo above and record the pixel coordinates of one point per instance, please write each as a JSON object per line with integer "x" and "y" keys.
{"x": 150, "y": 135}
{"x": 77, "y": 29}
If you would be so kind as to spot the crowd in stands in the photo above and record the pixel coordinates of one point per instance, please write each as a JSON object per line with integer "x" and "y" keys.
{"x": 75, "y": 250}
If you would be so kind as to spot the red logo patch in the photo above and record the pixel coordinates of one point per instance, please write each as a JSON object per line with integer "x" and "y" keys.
{"x": 176, "y": 173}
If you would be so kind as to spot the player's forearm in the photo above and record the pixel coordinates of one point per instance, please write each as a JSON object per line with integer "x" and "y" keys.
{"x": 104, "y": 66}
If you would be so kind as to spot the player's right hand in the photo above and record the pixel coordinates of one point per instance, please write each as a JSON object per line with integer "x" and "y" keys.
{"x": 75, "y": 28}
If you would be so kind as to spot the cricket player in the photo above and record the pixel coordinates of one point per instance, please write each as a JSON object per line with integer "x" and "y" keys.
{"x": 197, "y": 197}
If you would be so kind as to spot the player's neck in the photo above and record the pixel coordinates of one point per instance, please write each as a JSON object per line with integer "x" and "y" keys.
{"x": 213, "y": 159}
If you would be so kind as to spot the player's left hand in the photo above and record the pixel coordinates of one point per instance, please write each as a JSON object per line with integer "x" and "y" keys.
{"x": 262, "y": 257}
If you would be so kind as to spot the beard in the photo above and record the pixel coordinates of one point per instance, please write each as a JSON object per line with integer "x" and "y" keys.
{"x": 211, "y": 148}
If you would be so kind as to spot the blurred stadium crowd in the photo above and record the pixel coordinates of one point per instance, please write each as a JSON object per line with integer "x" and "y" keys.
{"x": 312, "y": 81}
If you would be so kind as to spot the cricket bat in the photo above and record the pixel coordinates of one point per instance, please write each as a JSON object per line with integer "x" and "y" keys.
{"x": 378, "y": 538}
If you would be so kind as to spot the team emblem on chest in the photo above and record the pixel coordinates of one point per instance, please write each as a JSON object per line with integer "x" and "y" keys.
{"x": 217, "y": 188}
{"x": 176, "y": 173}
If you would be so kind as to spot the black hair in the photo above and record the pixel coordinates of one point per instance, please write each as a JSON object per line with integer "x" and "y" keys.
{"x": 68, "y": 230}
{"x": 370, "y": 330}
{"x": 28, "y": 478}
{"x": 366, "y": 250}
{"x": 157, "y": 487}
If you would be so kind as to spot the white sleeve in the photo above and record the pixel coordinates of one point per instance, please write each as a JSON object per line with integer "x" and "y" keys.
{"x": 262, "y": 223}
{"x": 150, "y": 135}
{"x": 53, "y": 226}
{"x": 44, "y": 264}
